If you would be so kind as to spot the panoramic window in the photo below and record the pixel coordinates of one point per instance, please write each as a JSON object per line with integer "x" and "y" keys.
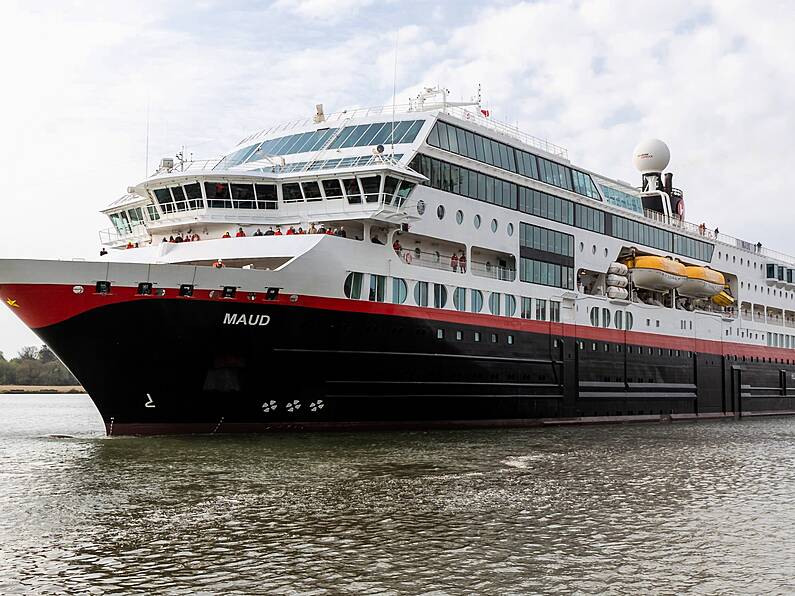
{"x": 377, "y": 288}
{"x": 371, "y": 186}
{"x": 439, "y": 296}
{"x": 390, "y": 186}
{"x": 421, "y": 293}
{"x": 477, "y": 301}
{"x": 494, "y": 303}
{"x": 460, "y": 299}
{"x": 180, "y": 200}
{"x": 165, "y": 199}
{"x": 400, "y": 290}
{"x": 353, "y": 285}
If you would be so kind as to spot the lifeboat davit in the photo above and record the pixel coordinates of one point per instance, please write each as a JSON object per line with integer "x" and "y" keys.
{"x": 660, "y": 274}
{"x": 702, "y": 282}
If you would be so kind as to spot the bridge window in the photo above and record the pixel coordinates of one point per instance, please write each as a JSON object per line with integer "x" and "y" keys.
{"x": 291, "y": 193}
{"x": 332, "y": 188}
{"x": 217, "y": 195}
{"x": 311, "y": 191}
{"x": 194, "y": 194}
{"x": 243, "y": 196}
{"x": 266, "y": 196}
{"x": 352, "y": 190}
{"x": 371, "y": 186}
{"x": 390, "y": 186}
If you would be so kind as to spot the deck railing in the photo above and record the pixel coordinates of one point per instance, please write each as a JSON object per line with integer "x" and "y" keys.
{"x": 443, "y": 262}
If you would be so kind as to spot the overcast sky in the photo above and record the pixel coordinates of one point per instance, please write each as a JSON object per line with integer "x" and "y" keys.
{"x": 714, "y": 79}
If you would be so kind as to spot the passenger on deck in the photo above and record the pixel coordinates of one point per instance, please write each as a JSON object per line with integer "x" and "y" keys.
{"x": 179, "y": 239}
{"x": 130, "y": 245}
{"x": 462, "y": 262}
{"x": 290, "y": 231}
{"x": 195, "y": 237}
{"x": 269, "y": 232}
{"x": 226, "y": 235}
{"x": 312, "y": 229}
{"x": 330, "y": 232}
{"x": 258, "y": 232}
{"x": 103, "y": 252}
{"x": 396, "y": 246}
{"x": 171, "y": 239}
{"x": 165, "y": 239}
{"x": 342, "y": 233}
{"x": 300, "y": 230}
{"x": 186, "y": 238}
{"x": 454, "y": 263}
{"x": 240, "y": 233}
{"x": 278, "y": 231}
{"x": 218, "y": 264}
{"x": 321, "y": 229}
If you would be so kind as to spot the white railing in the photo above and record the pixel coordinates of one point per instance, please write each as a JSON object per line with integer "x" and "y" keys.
{"x": 114, "y": 237}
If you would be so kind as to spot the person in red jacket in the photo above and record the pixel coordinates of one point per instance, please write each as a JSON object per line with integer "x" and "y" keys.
{"x": 226, "y": 235}
{"x": 240, "y": 233}
{"x": 278, "y": 231}
{"x": 462, "y": 260}
{"x": 454, "y": 262}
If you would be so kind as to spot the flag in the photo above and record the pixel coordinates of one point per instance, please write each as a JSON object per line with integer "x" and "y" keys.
{"x": 485, "y": 113}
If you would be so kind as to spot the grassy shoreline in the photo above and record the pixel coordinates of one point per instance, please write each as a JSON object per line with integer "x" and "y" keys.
{"x": 34, "y": 389}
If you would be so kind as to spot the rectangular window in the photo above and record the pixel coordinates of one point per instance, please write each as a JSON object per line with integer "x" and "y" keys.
{"x": 371, "y": 186}
{"x": 266, "y": 196}
{"x": 243, "y": 195}
{"x": 545, "y": 240}
{"x": 217, "y": 195}
{"x": 193, "y": 192}
{"x": 541, "y": 310}
{"x": 291, "y": 193}
{"x": 332, "y": 188}
{"x": 527, "y": 308}
{"x": 311, "y": 191}
{"x": 352, "y": 190}
{"x": 377, "y": 288}
{"x": 554, "y": 311}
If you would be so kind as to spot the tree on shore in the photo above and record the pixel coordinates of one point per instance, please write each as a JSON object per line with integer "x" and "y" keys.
{"x": 34, "y": 366}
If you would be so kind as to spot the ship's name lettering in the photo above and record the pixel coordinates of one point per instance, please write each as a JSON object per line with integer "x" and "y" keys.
{"x": 248, "y": 320}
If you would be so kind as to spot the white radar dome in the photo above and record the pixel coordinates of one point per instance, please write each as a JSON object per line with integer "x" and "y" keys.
{"x": 651, "y": 156}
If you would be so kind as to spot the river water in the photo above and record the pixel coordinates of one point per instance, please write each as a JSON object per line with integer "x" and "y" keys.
{"x": 705, "y": 508}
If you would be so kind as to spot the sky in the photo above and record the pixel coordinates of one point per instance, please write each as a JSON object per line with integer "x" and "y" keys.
{"x": 713, "y": 78}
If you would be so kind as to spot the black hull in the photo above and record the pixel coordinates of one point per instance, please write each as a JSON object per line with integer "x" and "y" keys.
{"x": 174, "y": 366}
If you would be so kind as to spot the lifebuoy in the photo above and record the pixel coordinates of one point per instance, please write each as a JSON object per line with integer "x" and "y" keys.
{"x": 407, "y": 258}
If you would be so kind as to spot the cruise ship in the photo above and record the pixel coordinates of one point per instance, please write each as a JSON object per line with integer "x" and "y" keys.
{"x": 411, "y": 266}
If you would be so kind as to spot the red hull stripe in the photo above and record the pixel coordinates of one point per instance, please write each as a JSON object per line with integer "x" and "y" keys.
{"x": 42, "y": 305}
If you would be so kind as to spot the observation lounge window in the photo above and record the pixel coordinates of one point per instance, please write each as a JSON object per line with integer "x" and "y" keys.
{"x": 266, "y": 196}
{"x": 371, "y": 186}
{"x": 400, "y": 290}
{"x": 243, "y": 196}
{"x": 353, "y": 285}
{"x": 180, "y": 200}
{"x": 332, "y": 188}
{"x": 377, "y": 288}
{"x": 291, "y": 193}
{"x": 421, "y": 293}
{"x": 357, "y": 134}
{"x": 194, "y": 193}
{"x": 311, "y": 191}
{"x": 163, "y": 197}
{"x": 217, "y": 195}
{"x": 352, "y": 190}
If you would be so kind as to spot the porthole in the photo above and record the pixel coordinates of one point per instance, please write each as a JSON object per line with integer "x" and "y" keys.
{"x": 440, "y": 212}
{"x": 494, "y": 226}
{"x": 510, "y": 229}
{"x": 459, "y": 217}
{"x": 476, "y": 221}
{"x": 421, "y": 207}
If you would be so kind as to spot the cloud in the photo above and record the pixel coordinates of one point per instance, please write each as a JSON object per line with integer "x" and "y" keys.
{"x": 332, "y": 10}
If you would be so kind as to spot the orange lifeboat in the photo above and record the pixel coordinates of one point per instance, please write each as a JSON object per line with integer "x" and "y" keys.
{"x": 660, "y": 274}
{"x": 701, "y": 282}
